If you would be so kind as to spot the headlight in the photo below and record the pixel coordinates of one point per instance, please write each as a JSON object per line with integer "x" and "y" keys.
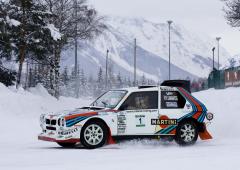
{"x": 42, "y": 118}
{"x": 61, "y": 122}
{"x": 209, "y": 116}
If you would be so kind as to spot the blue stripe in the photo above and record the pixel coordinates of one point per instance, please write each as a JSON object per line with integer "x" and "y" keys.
{"x": 192, "y": 104}
{"x": 76, "y": 121}
{"x": 170, "y": 129}
{"x": 200, "y": 117}
{"x": 162, "y": 131}
{"x": 204, "y": 109}
{"x": 203, "y": 117}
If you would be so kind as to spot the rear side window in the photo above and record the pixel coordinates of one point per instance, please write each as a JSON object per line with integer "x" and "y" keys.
{"x": 172, "y": 100}
{"x": 141, "y": 100}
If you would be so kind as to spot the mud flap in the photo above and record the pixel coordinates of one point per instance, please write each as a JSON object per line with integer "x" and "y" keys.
{"x": 110, "y": 139}
{"x": 205, "y": 135}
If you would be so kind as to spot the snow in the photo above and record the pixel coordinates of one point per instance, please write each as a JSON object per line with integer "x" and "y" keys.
{"x": 13, "y": 22}
{"x": 56, "y": 35}
{"x": 20, "y": 149}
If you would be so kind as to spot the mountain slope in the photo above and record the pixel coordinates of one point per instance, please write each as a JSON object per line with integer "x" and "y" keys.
{"x": 191, "y": 54}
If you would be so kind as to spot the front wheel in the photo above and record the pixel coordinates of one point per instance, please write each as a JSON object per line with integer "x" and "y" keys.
{"x": 187, "y": 133}
{"x": 94, "y": 135}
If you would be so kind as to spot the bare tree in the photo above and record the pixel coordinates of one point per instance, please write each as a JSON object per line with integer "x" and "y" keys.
{"x": 232, "y": 12}
{"x": 70, "y": 14}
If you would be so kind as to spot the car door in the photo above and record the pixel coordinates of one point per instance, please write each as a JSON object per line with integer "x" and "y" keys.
{"x": 137, "y": 112}
{"x": 172, "y": 105}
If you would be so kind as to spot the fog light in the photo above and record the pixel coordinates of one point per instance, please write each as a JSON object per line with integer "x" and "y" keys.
{"x": 209, "y": 116}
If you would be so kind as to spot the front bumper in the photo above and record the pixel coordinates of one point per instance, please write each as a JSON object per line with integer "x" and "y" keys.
{"x": 60, "y": 134}
{"x": 49, "y": 139}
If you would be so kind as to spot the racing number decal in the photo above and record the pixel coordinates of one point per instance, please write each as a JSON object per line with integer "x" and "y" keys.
{"x": 140, "y": 120}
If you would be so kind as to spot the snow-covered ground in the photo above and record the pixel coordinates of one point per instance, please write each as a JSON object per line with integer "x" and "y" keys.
{"x": 20, "y": 149}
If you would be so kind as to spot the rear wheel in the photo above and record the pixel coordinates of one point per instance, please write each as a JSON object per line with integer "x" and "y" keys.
{"x": 66, "y": 145}
{"x": 94, "y": 135}
{"x": 187, "y": 133}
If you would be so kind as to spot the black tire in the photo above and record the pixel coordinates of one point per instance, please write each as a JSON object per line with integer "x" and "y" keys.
{"x": 86, "y": 139}
{"x": 66, "y": 145}
{"x": 187, "y": 133}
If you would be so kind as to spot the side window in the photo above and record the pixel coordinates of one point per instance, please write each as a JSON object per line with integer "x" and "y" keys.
{"x": 172, "y": 100}
{"x": 141, "y": 100}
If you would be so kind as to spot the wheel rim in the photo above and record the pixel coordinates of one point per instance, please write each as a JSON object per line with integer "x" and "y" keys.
{"x": 187, "y": 133}
{"x": 93, "y": 134}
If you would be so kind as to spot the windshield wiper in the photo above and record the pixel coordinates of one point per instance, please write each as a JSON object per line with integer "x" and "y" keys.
{"x": 92, "y": 107}
{"x": 105, "y": 104}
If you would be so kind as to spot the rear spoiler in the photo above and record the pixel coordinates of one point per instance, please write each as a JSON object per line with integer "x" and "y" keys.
{"x": 178, "y": 83}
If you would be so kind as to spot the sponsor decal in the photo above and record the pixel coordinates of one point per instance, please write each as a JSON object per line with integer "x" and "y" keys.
{"x": 140, "y": 120}
{"x": 141, "y": 110}
{"x": 163, "y": 121}
{"x": 68, "y": 132}
{"x": 121, "y": 123}
{"x": 188, "y": 106}
{"x": 169, "y": 99}
{"x": 51, "y": 133}
{"x": 103, "y": 113}
{"x": 167, "y": 88}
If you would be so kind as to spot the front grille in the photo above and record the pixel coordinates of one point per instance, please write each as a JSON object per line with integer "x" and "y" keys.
{"x": 47, "y": 121}
{"x": 51, "y": 122}
{"x": 50, "y": 128}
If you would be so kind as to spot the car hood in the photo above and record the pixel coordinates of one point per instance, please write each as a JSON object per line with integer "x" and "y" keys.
{"x": 74, "y": 113}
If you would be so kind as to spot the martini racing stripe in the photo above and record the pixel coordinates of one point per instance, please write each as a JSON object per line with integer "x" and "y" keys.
{"x": 199, "y": 111}
{"x": 170, "y": 128}
{"x": 70, "y": 123}
{"x": 74, "y": 119}
{"x": 200, "y": 107}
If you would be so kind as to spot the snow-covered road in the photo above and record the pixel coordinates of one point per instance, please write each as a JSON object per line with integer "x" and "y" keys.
{"x": 20, "y": 149}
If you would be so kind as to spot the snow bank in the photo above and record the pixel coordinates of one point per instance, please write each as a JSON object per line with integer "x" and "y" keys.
{"x": 34, "y": 102}
{"x": 20, "y": 149}
{"x": 225, "y": 104}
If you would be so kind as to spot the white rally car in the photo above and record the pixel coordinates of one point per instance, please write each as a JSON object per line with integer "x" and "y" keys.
{"x": 138, "y": 112}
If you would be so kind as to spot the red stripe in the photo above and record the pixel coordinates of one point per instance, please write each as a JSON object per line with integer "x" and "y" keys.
{"x": 44, "y": 138}
{"x": 199, "y": 108}
{"x": 80, "y": 114}
{"x": 197, "y": 115}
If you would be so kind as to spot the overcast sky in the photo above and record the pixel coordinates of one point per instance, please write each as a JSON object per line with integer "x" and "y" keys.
{"x": 195, "y": 15}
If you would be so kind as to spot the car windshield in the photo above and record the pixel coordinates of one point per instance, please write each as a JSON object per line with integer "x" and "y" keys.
{"x": 109, "y": 99}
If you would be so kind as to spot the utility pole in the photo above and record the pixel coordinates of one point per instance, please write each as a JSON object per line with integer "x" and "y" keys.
{"x": 218, "y": 39}
{"x": 135, "y": 60}
{"x": 76, "y": 53}
{"x": 213, "y": 49}
{"x": 106, "y": 78}
{"x": 169, "y": 49}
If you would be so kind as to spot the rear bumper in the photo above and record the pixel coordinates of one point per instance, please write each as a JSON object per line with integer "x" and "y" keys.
{"x": 49, "y": 139}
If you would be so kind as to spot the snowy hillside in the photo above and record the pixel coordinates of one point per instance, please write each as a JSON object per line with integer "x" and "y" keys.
{"x": 191, "y": 52}
{"x": 20, "y": 149}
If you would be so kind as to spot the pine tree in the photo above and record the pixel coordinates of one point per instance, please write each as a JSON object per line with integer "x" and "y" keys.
{"x": 65, "y": 78}
{"x": 100, "y": 82}
{"x": 28, "y": 25}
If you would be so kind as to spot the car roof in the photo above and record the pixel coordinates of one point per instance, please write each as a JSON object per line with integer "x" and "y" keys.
{"x": 145, "y": 88}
